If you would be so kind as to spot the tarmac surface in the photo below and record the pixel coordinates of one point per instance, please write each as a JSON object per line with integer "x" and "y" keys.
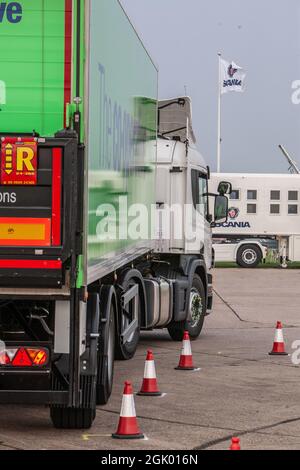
{"x": 240, "y": 389}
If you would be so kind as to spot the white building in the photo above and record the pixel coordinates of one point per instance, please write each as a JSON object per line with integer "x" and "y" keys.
{"x": 261, "y": 206}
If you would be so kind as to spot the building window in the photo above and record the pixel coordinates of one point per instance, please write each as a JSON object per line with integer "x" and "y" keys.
{"x": 275, "y": 195}
{"x": 235, "y": 195}
{"x": 275, "y": 209}
{"x": 251, "y": 209}
{"x": 252, "y": 195}
{"x": 293, "y": 195}
{"x": 293, "y": 209}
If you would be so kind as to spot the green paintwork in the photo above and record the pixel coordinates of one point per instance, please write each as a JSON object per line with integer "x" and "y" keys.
{"x": 72, "y": 108}
{"x": 122, "y": 122}
{"x": 32, "y": 68}
{"x": 121, "y": 113}
{"x": 80, "y": 272}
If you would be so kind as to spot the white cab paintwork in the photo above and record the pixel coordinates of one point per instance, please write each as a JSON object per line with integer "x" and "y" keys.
{"x": 175, "y": 162}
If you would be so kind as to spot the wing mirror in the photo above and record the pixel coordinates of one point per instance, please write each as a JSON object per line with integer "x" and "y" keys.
{"x": 221, "y": 209}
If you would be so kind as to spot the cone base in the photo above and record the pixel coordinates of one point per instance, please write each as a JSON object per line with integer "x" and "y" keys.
{"x": 185, "y": 368}
{"x": 149, "y": 394}
{"x": 278, "y": 354}
{"x": 130, "y": 437}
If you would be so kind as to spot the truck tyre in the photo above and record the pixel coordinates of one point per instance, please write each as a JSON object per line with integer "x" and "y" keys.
{"x": 106, "y": 359}
{"x": 197, "y": 312}
{"x": 76, "y": 418}
{"x": 249, "y": 256}
{"x": 72, "y": 418}
{"x": 126, "y": 351}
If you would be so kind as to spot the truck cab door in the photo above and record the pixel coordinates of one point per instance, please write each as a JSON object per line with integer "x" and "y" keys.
{"x": 201, "y": 241}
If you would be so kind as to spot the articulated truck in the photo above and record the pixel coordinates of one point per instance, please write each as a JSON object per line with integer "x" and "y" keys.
{"x": 91, "y": 163}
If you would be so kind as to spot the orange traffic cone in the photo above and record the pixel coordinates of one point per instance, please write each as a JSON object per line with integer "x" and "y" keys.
{"x": 278, "y": 346}
{"x": 186, "y": 358}
{"x": 128, "y": 426}
{"x": 150, "y": 387}
{"x": 235, "y": 444}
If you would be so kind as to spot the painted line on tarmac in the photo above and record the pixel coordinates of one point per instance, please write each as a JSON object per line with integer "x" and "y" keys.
{"x": 169, "y": 421}
{"x": 227, "y": 356}
{"x": 264, "y": 325}
{"x": 241, "y": 360}
{"x": 214, "y": 442}
{"x": 7, "y": 446}
{"x": 230, "y": 307}
{"x": 88, "y": 437}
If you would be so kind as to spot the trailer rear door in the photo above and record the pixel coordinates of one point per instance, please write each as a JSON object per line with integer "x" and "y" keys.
{"x": 38, "y": 210}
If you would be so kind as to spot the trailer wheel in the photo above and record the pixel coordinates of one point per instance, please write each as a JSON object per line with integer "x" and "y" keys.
{"x": 76, "y": 418}
{"x": 196, "y": 316}
{"x": 69, "y": 418}
{"x": 249, "y": 256}
{"x": 126, "y": 350}
{"x": 106, "y": 354}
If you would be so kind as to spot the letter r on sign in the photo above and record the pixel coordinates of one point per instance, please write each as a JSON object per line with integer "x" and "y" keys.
{"x": 25, "y": 155}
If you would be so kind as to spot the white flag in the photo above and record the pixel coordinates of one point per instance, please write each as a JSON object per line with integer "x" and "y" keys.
{"x": 232, "y": 77}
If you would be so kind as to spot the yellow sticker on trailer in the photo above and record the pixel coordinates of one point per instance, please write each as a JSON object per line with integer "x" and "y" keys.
{"x": 25, "y": 232}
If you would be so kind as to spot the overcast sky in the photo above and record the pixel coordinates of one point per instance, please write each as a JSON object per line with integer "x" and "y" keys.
{"x": 263, "y": 36}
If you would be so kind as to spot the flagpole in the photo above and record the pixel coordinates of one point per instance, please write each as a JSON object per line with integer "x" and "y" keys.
{"x": 219, "y": 117}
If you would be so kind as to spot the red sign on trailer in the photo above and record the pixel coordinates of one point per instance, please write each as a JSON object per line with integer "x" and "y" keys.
{"x": 19, "y": 163}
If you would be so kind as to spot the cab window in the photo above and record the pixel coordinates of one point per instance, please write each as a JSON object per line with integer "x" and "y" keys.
{"x": 200, "y": 190}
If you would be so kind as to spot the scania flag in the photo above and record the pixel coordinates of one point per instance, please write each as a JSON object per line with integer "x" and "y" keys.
{"x": 232, "y": 77}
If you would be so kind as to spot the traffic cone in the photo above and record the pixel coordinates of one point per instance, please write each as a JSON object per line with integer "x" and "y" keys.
{"x": 186, "y": 358}
{"x": 128, "y": 426}
{"x": 149, "y": 386}
{"x": 235, "y": 444}
{"x": 278, "y": 346}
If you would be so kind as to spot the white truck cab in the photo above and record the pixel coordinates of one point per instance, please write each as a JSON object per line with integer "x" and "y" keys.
{"x": 186, "y": 209}
{"x": 182, "y": 182}
{"x": 183, "y": 195}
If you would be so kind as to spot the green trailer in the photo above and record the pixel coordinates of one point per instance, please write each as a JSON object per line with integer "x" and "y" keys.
{"x": 79, "y": 275}
{"x": 63, "y": 64}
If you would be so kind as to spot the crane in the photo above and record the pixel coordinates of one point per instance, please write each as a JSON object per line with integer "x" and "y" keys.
{"x": 293, "y": 168}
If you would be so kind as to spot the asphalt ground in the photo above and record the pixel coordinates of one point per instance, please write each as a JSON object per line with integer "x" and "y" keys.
{"x": 240, "y": 389}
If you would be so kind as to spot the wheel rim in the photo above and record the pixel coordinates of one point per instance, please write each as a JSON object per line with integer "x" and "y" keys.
{"x": 110, "y": 350}
{"x": 249, "y": 256}
{"x": 127, "y": 318}
{"x": 125, "y": 323}
{"x": 196, "y": 307}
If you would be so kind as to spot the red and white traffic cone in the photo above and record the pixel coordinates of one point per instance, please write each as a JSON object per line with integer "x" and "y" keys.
{"x": 128, "y": 426}
{"x": 235, "y": 444}
{"x": 278, "y": 346}
{"x": 186, "y": 359}
{"x": 150, "y": 386}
